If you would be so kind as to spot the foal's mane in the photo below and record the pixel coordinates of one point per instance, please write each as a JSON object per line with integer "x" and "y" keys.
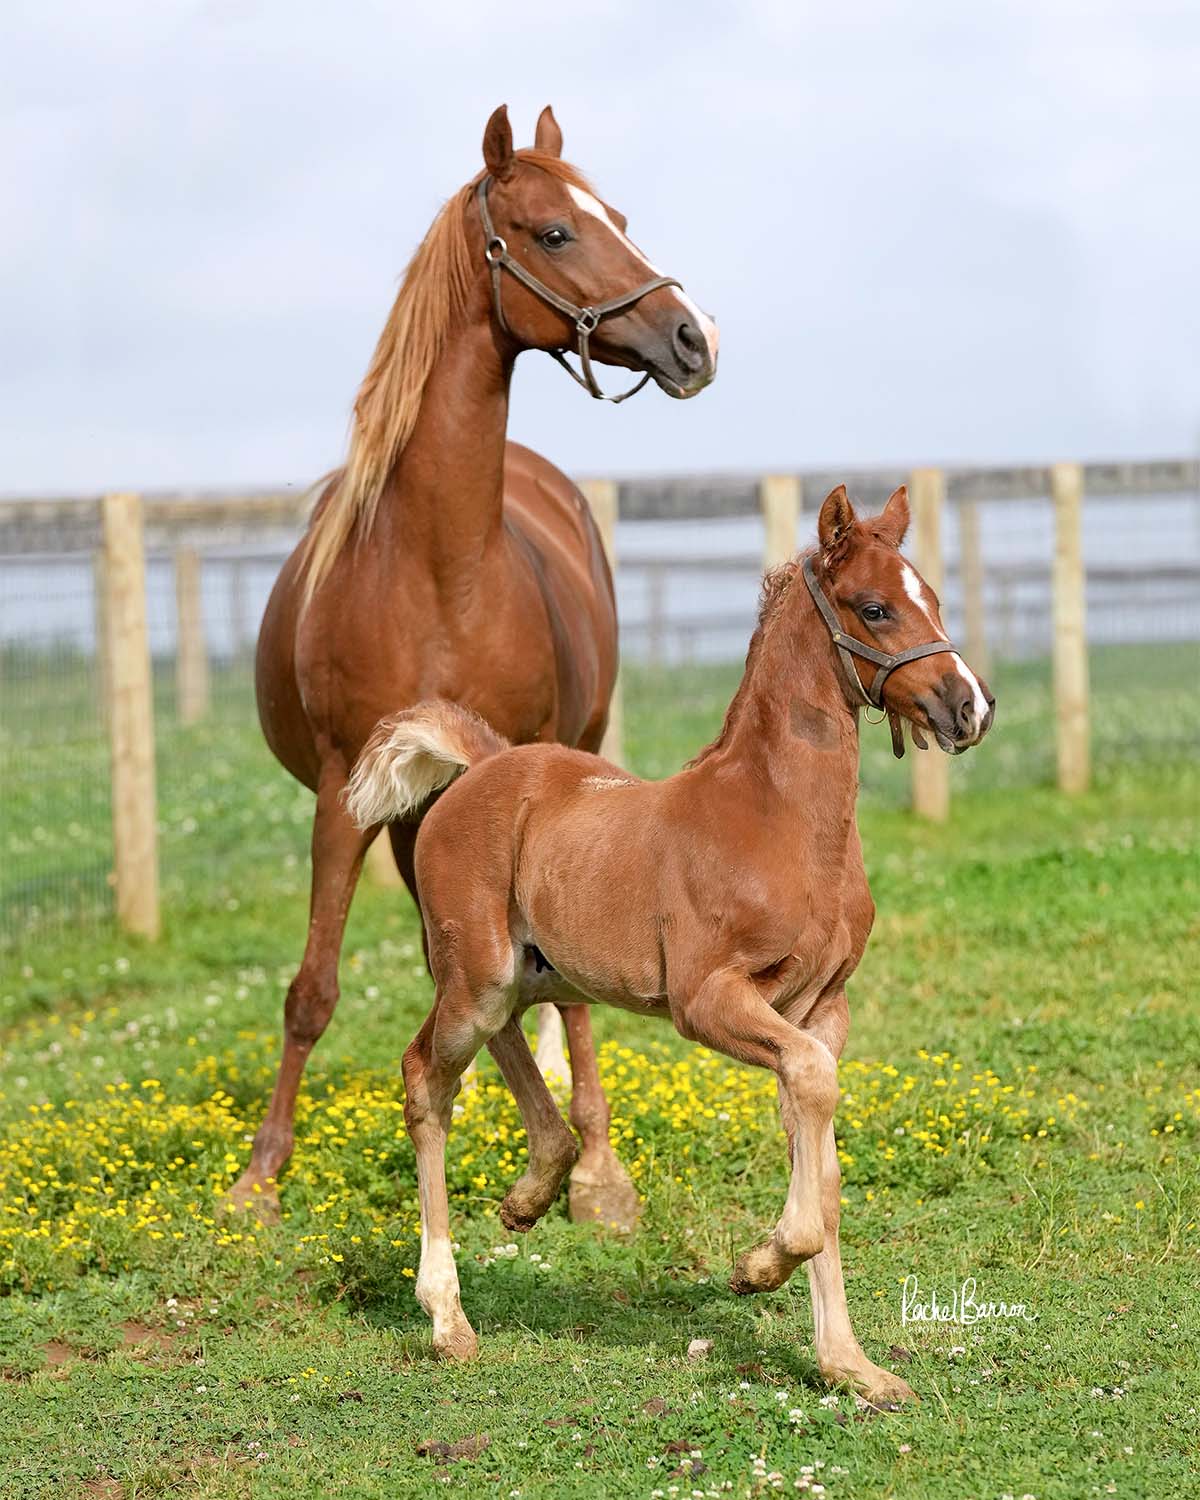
{"x": 775, "y": 585}
{"x": 432, "y": 297}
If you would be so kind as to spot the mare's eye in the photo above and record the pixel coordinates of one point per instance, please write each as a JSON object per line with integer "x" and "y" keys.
{"x": 873, "y": 613}
{"x": 554, "y": 238}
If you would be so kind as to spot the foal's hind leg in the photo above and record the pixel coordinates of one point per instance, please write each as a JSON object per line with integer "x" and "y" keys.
{"x": 552, "y": 1148}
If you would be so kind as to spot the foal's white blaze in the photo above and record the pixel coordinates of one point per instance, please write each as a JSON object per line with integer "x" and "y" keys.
{"x": 913, "y": 588}
{"x": 592, "y": 205}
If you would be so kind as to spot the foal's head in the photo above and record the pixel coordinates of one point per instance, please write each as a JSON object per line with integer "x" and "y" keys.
{"x": 562, "y": 234}
{"x": 882, "y": 601}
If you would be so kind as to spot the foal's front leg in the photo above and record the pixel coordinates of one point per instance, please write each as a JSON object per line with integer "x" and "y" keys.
{"x": 728, "y": 1014}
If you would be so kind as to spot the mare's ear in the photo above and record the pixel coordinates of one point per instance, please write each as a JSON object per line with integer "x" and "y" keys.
{"x": 498, "y": 146}
{"x": 548, "y": 137}
{"x": 892, "y": 522}
{"x": 836, "y": 518}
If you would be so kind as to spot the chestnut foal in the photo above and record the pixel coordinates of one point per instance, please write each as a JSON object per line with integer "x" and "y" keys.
{"x": 730, "y": 897}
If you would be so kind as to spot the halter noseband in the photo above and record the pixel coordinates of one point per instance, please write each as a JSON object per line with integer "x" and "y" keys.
{"x": 585, "y": 319}
{"x": 885, "y": 662}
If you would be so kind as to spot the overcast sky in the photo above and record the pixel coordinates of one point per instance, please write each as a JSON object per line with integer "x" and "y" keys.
{"x": 928, "y": 230}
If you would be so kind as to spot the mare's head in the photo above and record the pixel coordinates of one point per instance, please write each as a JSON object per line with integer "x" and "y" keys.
{"x": 555, "y": 228}
{"x": 882, "y": 602}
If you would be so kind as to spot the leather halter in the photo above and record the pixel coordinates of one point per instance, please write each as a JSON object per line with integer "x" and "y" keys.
{"x": 884, "y": 662}
{"x": 585, "y": 319}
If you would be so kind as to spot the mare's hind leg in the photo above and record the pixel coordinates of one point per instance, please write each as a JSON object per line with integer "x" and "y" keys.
{"x": 552, "y": 1148}
{"x": 337, "y": 854}
{"x": 601, "y": 1189}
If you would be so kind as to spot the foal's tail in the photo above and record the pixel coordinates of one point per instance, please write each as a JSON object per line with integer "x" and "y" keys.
{"x": 413, "y": 754}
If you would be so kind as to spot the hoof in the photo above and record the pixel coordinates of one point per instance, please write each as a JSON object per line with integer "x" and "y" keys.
{"x": 516, "y": 1219}
{"x": 763, "y": 1269}
{"x": 458, "y": 1345}
{"x": 611, "y": 1201}
{"x": 252, "y": 1194}
{"x": 885, "y": 1391}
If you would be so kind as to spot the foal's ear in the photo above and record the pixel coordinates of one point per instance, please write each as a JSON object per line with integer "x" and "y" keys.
{"x": 836, "y": 518}
{"x": 892, "y": 522}
{"x": 548, "y": 137}
{"x": 498, "y": 146}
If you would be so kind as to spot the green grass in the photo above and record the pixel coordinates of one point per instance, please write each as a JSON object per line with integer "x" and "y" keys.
{"x": 1046, "y": 944}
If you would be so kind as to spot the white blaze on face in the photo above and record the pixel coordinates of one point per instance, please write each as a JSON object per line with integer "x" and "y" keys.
{"x": 913, "y": 588}
{"x": 589, "y": 204}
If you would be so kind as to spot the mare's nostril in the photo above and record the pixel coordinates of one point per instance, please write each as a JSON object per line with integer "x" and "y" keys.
{"x": 690, "y": 346}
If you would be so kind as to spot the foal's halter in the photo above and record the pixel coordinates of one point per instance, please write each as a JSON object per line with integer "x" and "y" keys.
{"x": 585, "y": 319}
{"x": 885, "y": 662}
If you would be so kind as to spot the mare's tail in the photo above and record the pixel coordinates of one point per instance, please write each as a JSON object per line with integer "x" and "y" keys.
{"x": 413, "y": 754}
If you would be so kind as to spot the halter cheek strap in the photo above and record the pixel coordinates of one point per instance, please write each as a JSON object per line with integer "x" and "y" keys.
{"x": 585, "y": 319}
{"x": 885, "y": 662}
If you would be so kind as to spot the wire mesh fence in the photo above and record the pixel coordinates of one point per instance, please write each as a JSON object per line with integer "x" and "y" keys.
{"x": 687, "y": 588}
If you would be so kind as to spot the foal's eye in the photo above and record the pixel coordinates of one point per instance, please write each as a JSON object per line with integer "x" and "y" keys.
{"x": 873, "y": 613}
{"x": 554, "y": 238}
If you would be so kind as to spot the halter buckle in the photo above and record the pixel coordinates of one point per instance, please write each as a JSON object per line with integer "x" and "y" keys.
{"x": 588, "y": 320}
{"x": 491, "y": 253}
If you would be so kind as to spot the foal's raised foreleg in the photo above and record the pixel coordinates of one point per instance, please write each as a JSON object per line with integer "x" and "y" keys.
{"x": 728, "y": 1014}
{"x": 552, "y": 1148}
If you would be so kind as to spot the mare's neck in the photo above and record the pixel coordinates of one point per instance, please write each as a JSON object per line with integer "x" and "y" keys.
{"x": 792, "y": 734}
{"x": 442, "y": 503}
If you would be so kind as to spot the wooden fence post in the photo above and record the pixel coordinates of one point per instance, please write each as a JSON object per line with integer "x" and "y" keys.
{"x": 1072, "y": 730}
{"x": 191, "y": 649}
{"x": 130, "y": 717}
{"x": 930, "y": 768}
{"x": 779, "y": 497}
{"x": 971, "y": 577}
{"x": 603, "y": 497}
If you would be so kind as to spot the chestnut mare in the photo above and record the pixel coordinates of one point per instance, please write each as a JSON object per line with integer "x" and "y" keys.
{"x": 730, "y": 897}
{"x": 443, "y": 562}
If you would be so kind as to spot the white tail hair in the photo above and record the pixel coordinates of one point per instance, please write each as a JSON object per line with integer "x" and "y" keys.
{"x": 413, "y": 754}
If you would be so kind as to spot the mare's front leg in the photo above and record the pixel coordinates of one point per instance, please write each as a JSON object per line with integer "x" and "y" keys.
{"x": 839, "y": 1354}
{"x": 337, "y": 855}
{"x": 727, "y": 1013}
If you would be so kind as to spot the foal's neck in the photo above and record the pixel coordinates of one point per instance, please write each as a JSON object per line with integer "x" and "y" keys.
{"x": 792, "y": 732}
{"x": 442, "y": 502}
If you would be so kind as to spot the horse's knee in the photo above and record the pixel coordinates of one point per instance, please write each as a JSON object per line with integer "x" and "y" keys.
{"x": 809, "y": 1074}
{"x": 311, "y": 999}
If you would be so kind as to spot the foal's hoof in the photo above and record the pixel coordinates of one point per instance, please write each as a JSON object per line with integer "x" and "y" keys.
{"x": 612, "y": 1202}
{"x": 513, "y": 1217}
{"x": 458, "y": 1344}
{"x": 252, "y": 1194}
{"x": 882, "y": 1389}
{"x": 763, "y": 1269}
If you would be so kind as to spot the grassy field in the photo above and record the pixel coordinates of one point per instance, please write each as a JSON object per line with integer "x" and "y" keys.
{"x": 1021, "y": 1106}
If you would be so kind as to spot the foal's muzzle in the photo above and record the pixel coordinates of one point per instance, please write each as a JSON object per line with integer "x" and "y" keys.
{"x": 954, "y": 715}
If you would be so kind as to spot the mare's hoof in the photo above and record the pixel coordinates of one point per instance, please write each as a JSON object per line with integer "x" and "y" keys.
{"x": 763, "y": 1269}
{"x": 252, "y": 1194}
{"x": 459, "y": 1344}
{"x": 612, "y": 1202}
